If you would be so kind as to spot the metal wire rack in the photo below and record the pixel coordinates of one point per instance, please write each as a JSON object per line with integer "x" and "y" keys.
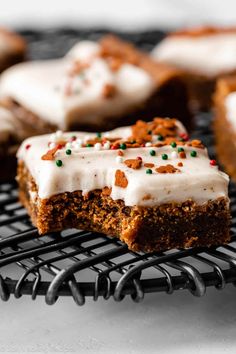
{"x": 80, "y": 264}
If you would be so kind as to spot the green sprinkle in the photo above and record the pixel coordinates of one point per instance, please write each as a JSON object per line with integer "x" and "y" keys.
{"x": 68, "y": 152}
{"x": 173, "y": 144}
{"x": 123, "y": 146}
{"x": 152, "y": 152}
{"x": 89, "y": 145}
{"x": 160, "y": 137}
{"x": 180, "y": 149}
{"x": 59, "y": 163}
{"x": 193, "y": 153}
{"x": 164, "y": 157}
{"x": 148, "y": 171}
{"x": 99, "y": 135}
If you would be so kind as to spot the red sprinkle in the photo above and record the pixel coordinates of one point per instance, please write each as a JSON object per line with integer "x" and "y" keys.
{"x": 213, "y": 162}
{"x": 114, "y": 147}
{"x": 139, "y": 158}
{"x": 184, "y": 136}
{"x": 73, "y": 138}
{"x": 27, "y": 146}
{"x": 60, "y": 146}
{"x": 143, "y": 145}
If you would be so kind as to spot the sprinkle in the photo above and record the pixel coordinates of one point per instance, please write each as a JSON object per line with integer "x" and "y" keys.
{"x": 213, "y": 162}
{"x": 53, "y": 137}
{"x": 58, "y": 134}
{"x": 68, "y": 145}
{"x": 88, "y": 145}
{"x": 152, "y": 152}
{"x": 78, "y": 142}
{"x": 59, "y": 163}
{"x": 182, "y": 155}
{"x": 68, "y": 152}
{"x": 180, "y": 149}
{"x": 139, "y": 158}
{"x": 120, "y": 153}
{"x": 123, "y": 146}
{"x": 52, "y": 145}
{"x": 27, "y": 146}
{"x": 160, "y": 137}
{"x": 114, "y": 147}
{"x": 193, "y": 153}
{"x": 149, "y": 132}
{"x": 180, "y": 164}
{"x": 184, "y": 136}
{"x": 173, "y": 144}
{"x": 164, "y": 157}
{"x": 148, "y": 144}
{"x": 148, "y": 171}
{"x": 98, "y": 146}
{"x": 99, "y": 135}
{"x": 174, "y": 155}
{"x": 107, "y": 145}
{"x": 119, "y": 159}
{"x": 73, "y": 138}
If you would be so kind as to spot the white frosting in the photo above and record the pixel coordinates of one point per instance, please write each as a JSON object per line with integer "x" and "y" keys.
{"x": 209, "y": 54}
{"x": 42, "y": 87}
{"x": 89, "y": 168}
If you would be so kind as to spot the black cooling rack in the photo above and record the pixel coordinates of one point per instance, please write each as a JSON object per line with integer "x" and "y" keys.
{"x": 80, "y": 264}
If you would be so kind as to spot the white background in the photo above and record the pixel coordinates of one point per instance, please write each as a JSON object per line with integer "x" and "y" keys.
{"x": 122, "y": 14}
{"x": 162, "y": 324}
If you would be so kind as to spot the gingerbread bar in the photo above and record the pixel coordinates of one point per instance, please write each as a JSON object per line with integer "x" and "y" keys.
{"x": 225, "y": 123}
{"x": 12, "y": 49}
{"x": 204, "y": 54}
{"x": 96, "y": 86}
{"x": 147, "y": 184}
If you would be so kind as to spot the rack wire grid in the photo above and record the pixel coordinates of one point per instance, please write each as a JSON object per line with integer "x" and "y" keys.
{"x": 78, "y": 263}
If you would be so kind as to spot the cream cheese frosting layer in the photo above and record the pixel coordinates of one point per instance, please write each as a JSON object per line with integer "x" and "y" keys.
{"x": 207, "y": 54}
{"x": 61, "y": 94}
{"x": 89, "y": 168}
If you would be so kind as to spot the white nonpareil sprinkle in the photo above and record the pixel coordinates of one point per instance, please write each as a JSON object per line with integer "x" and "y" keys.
{"x": 174, "y": 155}
{"x": 68, "y": 145}
{"x": 107, "y": 145}
{"x": 148, "y": 144}
{"x": 58, "y": 134}
{"x": 119, "y": 159}
{"x": 52, "y": 145}
{"x": 98, "y": 146}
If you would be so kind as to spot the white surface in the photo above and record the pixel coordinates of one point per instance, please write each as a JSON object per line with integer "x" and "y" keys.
{"x": 121, "y": 14}
{"x": 177, "y": 323}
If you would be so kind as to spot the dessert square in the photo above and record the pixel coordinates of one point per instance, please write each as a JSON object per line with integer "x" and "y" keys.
{"x": 203, "y": 54}
{"x": 225, "y": 123}
{"x": 97, "y": 86}
{"x": 147, "y": 184}
{"x": 12, "y": 49}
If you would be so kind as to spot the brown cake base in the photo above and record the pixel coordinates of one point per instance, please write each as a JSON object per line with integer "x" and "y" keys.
{"x": 168, "y": 226}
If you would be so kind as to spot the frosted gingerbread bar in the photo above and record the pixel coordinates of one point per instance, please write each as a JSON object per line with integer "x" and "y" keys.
{"x": 204, "y": 54}
{"x": 146, "y": 184}
{"x": 225, "y": 123}
{"x": 12, "y": 49}
{"x": 96, "y": 86}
